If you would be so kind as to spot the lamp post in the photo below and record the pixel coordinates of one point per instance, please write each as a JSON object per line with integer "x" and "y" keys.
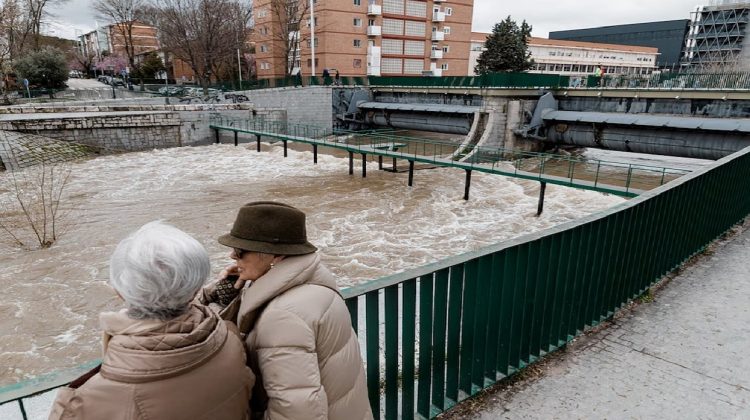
{"x": 111, "y": 68}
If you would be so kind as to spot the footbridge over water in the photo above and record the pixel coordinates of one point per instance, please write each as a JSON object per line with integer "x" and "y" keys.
{"x": 627, "y": 180}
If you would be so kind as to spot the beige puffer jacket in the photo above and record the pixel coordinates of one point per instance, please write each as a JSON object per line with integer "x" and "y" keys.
{"x": 299, "y": 330}
{"x": 191, "y": 367}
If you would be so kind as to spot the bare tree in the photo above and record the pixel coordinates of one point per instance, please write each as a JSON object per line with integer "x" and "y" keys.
{"x": 288, "y": 20}
{"x": 203, "y": 33}
{"x": 30, "y": 208}
{"x": 22, "y": 23}
{"x": 124, "y": 16}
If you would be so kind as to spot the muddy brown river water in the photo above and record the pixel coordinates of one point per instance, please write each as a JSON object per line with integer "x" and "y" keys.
{"x": 365, "y": 228}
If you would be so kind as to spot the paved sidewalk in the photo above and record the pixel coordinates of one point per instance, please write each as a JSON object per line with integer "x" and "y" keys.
{"x": 685, "y": 355}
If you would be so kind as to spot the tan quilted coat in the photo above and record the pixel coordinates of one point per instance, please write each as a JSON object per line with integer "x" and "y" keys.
{"x": 298, "y": 330}
{"x": 191, "y": 367}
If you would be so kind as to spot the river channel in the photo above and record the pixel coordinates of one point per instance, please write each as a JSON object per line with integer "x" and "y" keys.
{"x": 365, "y": 228}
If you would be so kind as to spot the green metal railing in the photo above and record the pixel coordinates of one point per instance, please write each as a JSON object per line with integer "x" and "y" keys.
{"x": 627, "y": 180}
{"x": 654, "y": 81}
{"x": 456, "y": 326}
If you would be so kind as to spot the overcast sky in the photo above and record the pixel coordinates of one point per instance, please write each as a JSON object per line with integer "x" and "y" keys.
{"x": 543, "y": 15}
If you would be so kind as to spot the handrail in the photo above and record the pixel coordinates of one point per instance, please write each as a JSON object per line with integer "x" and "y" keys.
{"x": 543, "y": 167}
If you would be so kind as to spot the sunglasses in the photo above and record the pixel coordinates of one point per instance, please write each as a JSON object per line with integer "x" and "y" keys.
{"x": 239, "y": 253}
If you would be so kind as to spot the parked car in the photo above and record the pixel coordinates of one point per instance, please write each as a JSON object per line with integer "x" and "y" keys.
{"x": 116, "y": 81}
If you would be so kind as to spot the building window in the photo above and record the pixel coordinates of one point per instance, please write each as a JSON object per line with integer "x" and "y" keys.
{"x": 446, "y": 49}
{"x": 449, "y": 11}
{"x": 309, "y": 63}
{"x": 309, "y": 43}
{"x": 263, "y": 48}
{"x": 357, "y": 43}
{"x": 444, "y": 66}
{"x": 357, "y": 22}
{"x": 357, "y": 63}
{"x": 447, "y": 30}
{"x": 357, "y": 2}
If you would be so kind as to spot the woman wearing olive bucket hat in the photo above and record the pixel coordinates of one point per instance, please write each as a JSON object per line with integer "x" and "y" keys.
{"x": 296, "y": 326}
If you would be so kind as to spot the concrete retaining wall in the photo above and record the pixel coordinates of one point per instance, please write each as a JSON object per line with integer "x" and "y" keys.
{"x": 310, "y": 105}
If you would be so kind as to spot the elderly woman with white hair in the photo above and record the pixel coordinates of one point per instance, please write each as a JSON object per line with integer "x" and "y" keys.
{"x": 165, "y": 356}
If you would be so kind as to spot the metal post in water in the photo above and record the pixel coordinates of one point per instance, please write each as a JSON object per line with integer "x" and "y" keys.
{"x": 351, "y": 163}
{"x": 315, "y": 154}
{"x": 257, "y": 139}
{"x": 235, "y": 139}
{"x": 284, "y": 141}
{"x": 217, "y": 136}
{"x": 394, "y": 165}
{"x": 380, "y": 162}
{"x": 468, "y": 184}
{"x": 364, "y": 165}
{"x": 411, "y": 172}
{"x": 540, "y": 207}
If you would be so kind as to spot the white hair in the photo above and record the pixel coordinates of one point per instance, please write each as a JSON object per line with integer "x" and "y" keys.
{"x": 157, "y": 270}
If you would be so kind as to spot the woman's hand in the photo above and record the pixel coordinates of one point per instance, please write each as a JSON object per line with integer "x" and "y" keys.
{"x": 231, "y": 270}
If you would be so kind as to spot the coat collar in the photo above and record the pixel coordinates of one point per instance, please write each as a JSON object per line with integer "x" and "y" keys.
{"x": 137, "y": 351}
{"x": 288, "y": 274}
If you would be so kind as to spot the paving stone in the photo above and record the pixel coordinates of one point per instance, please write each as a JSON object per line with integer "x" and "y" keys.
{"x": 682, "y": 356}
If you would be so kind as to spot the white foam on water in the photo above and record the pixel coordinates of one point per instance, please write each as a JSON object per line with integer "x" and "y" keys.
{"x": 365, "y": 228}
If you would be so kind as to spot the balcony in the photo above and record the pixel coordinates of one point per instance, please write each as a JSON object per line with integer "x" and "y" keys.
{"x": 374, "y": 31}
{"x": 438, "y": 36}
{"x": 374, "y": 10}
{"x": 438, "y": 1}
{"x": 438, "y": 16}
{"x": 436, "y": 54}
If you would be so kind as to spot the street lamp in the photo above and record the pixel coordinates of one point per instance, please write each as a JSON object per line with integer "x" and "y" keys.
{"x": 111, "y": 68}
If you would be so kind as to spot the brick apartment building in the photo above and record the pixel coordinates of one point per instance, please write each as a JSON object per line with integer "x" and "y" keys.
{"x": 369, "y": 37}
{"x": 109, "y": 40}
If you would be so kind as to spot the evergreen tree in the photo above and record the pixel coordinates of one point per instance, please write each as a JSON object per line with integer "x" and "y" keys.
{"x": 47, "y": 67}
{"x": 506, "y": 49}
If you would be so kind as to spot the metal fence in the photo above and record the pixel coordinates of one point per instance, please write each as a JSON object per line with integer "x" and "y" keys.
{"x": 456, "y": 326}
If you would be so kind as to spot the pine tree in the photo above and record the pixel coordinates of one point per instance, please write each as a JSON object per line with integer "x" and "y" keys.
{"x": 506, "y": 49}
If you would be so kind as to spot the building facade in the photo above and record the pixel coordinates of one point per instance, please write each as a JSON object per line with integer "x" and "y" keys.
{"x": 365, "y": 37}
{"x": 718, "y": 37}
{"x": 110, "y": 41}
{"x": 667, "y": 36}
{"x": 574, "y": 58}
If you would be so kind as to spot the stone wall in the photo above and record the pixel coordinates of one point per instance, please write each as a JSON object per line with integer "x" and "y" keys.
{"x": 311, "y": 105}
{"x": 19, "y": 150}
{"x": 110, "y": 131}
{"x": 127, "y": 127}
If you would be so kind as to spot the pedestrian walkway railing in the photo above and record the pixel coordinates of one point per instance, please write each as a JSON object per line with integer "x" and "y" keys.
{"x": 653, "y": 81}
{"x": 435, "y": 335}
{"x": 622, "y": 179}
{"x": 459, "y": 325}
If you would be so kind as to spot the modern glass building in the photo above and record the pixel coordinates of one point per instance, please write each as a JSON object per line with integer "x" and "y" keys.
{"x": 668, "y": 36}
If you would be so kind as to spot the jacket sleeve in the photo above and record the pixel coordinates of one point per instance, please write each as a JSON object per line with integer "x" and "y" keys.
{"x": 288, "y": 363}
{"x": 208, "y": 297}
{"x": 61, "y": 405}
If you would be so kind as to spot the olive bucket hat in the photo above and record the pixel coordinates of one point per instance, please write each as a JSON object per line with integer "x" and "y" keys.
{"x": 271, "y": 228}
